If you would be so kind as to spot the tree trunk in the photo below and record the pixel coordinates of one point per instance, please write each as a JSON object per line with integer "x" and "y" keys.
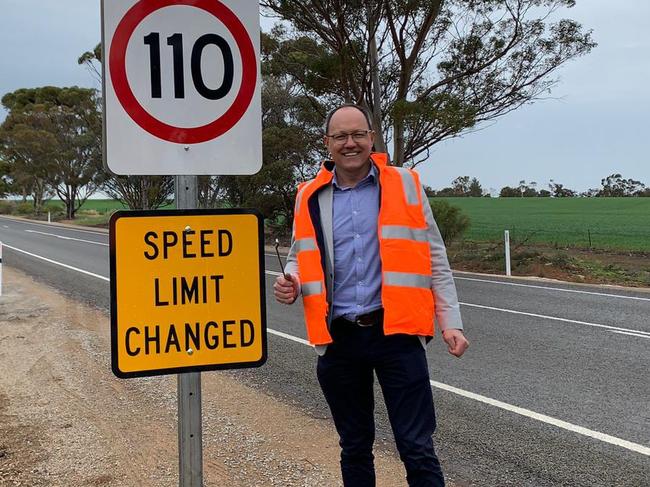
{"x": 380, "y": 143}
{"x": 144, "y": 195}
{"x": 398, "y": 143}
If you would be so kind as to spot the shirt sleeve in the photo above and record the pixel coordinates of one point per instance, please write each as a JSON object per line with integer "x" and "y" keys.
{"x": 291, "y": 266}
{"x": 442, "y": 281}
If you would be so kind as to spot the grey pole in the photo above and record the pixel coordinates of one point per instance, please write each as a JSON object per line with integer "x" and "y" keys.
{"x": 190, "y": 447}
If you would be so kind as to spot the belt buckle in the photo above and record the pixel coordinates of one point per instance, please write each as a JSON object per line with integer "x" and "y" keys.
{"x": 360, "y": 323}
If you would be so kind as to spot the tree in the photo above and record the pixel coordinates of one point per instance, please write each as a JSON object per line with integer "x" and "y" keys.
{"x": 460, "y": 186}
{"x": 140, "y": 192}
{"x": 451, "y": 221}
{"x": 427, "y": 70}
{"x": 72, "y": 118}
{"x": 463, "y": 186}
{"x": 429, "y": 191}
{"x": 475, "y": 188}
{"x": 559, "y": 191}
{"x": 137, "y": 192}
{"x": 615, "y": 185}
{"x": 509, "y": 192}
{"x": 292, "y": 149}
{"x": 5, "y": 181}
{"x": 446, "y": 192}
{"x": 590, "y": 193}
{"x": 93, "y": 62}
{"x": 28, "y": 148}
{"x": 527, "y": 190}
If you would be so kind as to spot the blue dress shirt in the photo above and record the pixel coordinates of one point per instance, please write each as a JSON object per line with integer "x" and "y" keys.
{"x": 357, "y": 265}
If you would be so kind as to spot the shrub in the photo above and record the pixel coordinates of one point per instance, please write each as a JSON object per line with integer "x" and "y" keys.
{"x": 451, "y": 221}
{"x": 25, "y": 208}
{"x": 53, "y": 208}
{"x": 7, "y": 207}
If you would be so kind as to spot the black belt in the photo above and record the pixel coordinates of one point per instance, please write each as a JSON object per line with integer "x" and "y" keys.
{"x": 372, "y": 318}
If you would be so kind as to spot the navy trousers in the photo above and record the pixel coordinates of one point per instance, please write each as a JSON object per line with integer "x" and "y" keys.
{"x": 345, "y": 374}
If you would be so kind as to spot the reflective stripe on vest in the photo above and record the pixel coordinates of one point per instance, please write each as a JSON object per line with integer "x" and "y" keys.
{"x": 404, "y": 232}
{"x": 407, "y": 279}
{"x": 410, "y": 189}
{"x": 305, "y": 244}
{"x": 311, "y": 288}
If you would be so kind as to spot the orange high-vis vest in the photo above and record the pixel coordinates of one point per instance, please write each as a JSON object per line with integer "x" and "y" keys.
{"x": 406, "y": 293}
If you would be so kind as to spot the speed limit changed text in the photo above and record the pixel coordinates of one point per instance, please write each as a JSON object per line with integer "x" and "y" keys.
{"x": 187, "y": 291}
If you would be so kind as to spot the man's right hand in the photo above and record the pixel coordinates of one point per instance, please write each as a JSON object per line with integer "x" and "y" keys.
{"x": 285, "y": 290}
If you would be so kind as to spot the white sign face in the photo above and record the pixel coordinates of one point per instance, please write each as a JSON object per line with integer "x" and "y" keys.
{"x": 181, "y": 87}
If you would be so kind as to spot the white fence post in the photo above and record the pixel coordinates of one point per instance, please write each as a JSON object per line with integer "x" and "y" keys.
{"x": 49, "y": 220}
{"x": 507, "y": 247}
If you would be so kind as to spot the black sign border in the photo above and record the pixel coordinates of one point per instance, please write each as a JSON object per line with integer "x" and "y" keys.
{"x": 199, "y": 368}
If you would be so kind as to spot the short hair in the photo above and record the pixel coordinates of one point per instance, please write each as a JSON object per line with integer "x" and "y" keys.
{"x": 326, "y": 125}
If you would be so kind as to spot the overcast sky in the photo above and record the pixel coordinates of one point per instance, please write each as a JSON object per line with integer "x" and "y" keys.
{"x": 595, "y": 125}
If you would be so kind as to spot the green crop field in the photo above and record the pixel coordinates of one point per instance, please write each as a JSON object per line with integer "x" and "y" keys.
{"x": 100, "y": 206}
{"x": 610, "y": 223}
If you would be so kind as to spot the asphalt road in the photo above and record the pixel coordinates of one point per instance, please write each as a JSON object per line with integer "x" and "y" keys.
{"x": 554, "y": 390}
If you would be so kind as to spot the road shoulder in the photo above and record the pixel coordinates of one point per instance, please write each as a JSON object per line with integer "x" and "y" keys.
{"x": 66, "y": 420}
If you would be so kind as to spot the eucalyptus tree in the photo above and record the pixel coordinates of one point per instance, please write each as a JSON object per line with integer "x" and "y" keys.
{"x": 61, "y": 128}
{"x": 428, "y": 70}
{"x": 27, "y": 149}
{"x": 137, "y": 192}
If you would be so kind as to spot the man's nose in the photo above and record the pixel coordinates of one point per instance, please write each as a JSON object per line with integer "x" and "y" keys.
{"x": 349, "y": 141}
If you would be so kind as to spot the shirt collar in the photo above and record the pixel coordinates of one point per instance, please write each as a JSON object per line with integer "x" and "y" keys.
{"x": 372, "y": 176}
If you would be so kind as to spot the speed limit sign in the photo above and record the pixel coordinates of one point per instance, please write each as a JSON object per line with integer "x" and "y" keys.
{"x": 181, "y": 87}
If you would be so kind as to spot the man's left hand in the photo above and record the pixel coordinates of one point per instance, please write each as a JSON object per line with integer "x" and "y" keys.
{"x": 456, "y": 341}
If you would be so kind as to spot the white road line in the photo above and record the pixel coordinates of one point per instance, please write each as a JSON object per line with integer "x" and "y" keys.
{"x": 58, "y": 263}
{"x": 288, "y": 337}
{"x": 556, "y": 318}
{"x": 644, "y": 450}
{"x": 535, "y": 286}
{"x": 68, "y": 238}
{"x": 608, "y": 295}
{"x": 627, "y": 333}
{"x": 635, "y": 447}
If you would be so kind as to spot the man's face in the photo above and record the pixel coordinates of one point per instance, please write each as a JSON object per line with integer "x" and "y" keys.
{"x": 351, "y": 153}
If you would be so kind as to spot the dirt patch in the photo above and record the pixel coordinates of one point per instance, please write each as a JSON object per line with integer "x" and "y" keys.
{"x": 564, "y": 264}
{"x": 66, "y": 420}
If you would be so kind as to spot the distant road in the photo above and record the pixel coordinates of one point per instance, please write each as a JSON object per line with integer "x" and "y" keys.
{"x": 553, "y": 391}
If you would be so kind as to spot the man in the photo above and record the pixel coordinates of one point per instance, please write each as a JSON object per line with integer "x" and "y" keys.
{"x": 368, "y": 259}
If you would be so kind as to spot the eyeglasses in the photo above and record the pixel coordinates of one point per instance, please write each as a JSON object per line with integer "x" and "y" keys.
{"x": 357, "y": 136}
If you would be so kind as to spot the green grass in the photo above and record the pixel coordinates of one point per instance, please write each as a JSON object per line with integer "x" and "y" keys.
{"x": 613, "y": 223}
{"x": 100, "y": 206}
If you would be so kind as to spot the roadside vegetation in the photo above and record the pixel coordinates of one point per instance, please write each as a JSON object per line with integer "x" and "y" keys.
{"x": 459, "y": 68}
{"x": 589, "y": 240}
{"x": 616, "y": 260}
{"x": 615, "y": 224}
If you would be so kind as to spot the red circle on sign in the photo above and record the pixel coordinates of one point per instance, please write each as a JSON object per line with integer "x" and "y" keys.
{"x": 181, "y": 135}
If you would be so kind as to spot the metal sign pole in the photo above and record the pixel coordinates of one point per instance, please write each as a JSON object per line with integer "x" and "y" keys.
{"x": 190, "y": 447}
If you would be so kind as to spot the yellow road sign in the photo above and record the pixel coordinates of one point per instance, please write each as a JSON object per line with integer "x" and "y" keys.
{"x": 187, "y": 291}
